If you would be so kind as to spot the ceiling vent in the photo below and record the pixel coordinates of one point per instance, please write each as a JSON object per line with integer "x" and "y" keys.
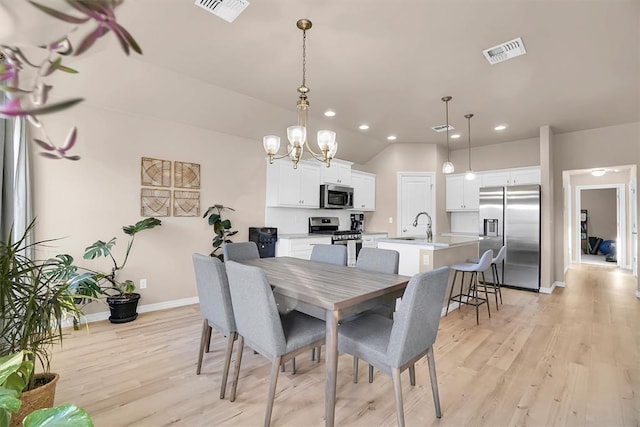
{"x": 504, "y": 51}
{"x": 442, "y": 128}
{"x": 228, "y": 10}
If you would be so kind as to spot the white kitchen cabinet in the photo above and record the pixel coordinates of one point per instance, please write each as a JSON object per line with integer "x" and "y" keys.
{"x": 370, "y": 240}
{"x": 294, "y": 188}
{"x": 299, "y": 247}
{"x": 338, "y": 173}
{"x": 462, "y": 194}
{"x": 364, "y": 191}
{"x": 518, "y": 176}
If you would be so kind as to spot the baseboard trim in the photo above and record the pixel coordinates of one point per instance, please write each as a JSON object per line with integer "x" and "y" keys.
{"x": 558, "y": 284}
{"x": 145, "y": 308}
{"x": 549, "y": 290}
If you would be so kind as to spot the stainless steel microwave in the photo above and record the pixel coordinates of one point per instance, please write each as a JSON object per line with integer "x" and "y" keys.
{"x": 336, "y": 197}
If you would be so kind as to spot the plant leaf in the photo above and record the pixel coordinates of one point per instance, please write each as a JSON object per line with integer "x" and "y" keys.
{"x": 67, "y": 415}
{"x": 44, "y": 144}
{"x": 59, "y": 15}
{"x": 128, "y": 37}
{"x": 144, "y": 224}
{"x": 9, "y": 402}
{"x": 74, "y": 158}
{"x": 90, "y": 39}
{"x": 71, "y": 140}
{"x": 98, "y": 249}
{"x": 47, "y": 109}
{"x": 50, "y": 156}
{"x": 10, "y": 364}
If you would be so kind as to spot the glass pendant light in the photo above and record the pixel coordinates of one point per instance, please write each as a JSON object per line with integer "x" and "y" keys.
{"x": 469, "y": 175}
{"x": 447, "y": 167}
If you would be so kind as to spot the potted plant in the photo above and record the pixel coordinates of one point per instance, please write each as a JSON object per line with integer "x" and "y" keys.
{"x": 221, "y": 228}
{"x": 120, "y": 295}
{"x": 15, "y": 371}
{"x": 35, "y": 298}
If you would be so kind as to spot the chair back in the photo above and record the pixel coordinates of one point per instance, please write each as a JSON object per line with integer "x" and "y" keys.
{"x": 416, "y": 324}
{"x": 485, "y": 261}
{"x": 241, "y": 251}
{"x": 501, "y": 254}
{"x": 213, "y": 292}
{"x": 255, "y": 310}
{"x": 378, "y": 260}
{"x": 330, "y": 254}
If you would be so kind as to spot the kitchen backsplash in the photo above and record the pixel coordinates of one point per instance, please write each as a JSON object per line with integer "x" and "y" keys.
{"x": 295, "y": 221}
{"x": 465, "y": 222}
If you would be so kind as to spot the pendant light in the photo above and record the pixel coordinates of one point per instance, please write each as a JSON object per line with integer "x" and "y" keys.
{"x": 447, "y": 167}
{"x": 469, "y": 175}
{"x": 297, "y": 134}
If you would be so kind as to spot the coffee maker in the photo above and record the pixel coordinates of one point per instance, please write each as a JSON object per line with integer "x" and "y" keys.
{"x": 357, "y": 222}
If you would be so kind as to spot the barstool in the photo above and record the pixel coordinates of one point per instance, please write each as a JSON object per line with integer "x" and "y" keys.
{"x": 497, "y": 282}
{"x": 473, "y": 268}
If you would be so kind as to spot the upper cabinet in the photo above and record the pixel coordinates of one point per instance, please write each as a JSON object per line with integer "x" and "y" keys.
{"x": 294, "y": 188}
{"x": 338, "y": 173}
{"x": 518, "y": 176}
{"x": 462, "y": 194}
{"x": 364, "y": 191}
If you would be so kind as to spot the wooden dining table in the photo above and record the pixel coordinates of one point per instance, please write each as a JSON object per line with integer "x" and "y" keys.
{"x": 331, "y": 293}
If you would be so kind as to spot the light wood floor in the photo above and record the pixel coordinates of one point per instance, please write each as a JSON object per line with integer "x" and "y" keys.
{"x": 571, "y": 359}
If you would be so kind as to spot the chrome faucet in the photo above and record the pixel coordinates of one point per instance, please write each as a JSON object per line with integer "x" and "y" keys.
{"x": 429, "y": 232}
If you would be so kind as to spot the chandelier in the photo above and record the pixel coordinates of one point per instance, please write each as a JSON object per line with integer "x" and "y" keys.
{"x": 447, "y": 167}
{"x": 297, "y": 135}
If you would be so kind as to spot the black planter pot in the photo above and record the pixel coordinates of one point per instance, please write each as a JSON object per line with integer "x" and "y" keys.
{"x": 123, "y": 308}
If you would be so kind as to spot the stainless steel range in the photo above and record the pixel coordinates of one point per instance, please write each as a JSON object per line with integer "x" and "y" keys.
{"x": 330, "y": 225}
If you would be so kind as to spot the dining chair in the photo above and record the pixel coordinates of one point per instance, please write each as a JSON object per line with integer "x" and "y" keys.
{"x": 216, "y": 308}
{"x": 278, "y": 337}
{"x": 380, "y": 261}
{"x": 471, "y": 297}
{"x": 497, "y": 281}
{"x": 330, "y": 254}
{"x": 392, "y": 346}
{"x": 240, "y": 251}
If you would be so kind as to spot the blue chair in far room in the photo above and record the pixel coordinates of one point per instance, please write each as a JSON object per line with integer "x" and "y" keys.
{"x": 393, "y": 346}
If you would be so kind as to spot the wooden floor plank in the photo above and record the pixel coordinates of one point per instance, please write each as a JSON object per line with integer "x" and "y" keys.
{"x": 567, "y": 359}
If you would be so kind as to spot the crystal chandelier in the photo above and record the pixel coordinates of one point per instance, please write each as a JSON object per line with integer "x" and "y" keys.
{"x": 447, "y": 167}
{"x": 297, "y": 135}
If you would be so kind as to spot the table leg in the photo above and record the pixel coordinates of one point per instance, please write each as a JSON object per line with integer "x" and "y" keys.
{"x": 331, "y": 373}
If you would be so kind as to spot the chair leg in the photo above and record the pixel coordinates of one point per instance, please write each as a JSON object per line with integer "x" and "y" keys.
{"x": 227, "y": 361}
{"x": 234, "y": 386}
{"x": 208, "y": 348}
{"x": 434, "y": 381}
{"x": 203, "y": 343}
{"x": 293, "y": 366}
{"x": 461, "y": 289}
{"x": 486, "y": 295}
{"x": 319, "y": 353}
{"x": 474, "y": 275}
{"x": 499, "y": 282}
{"x": 355, "y": 370}
{"x": 370, "y": 374}
{"x": 273, "y": 380}
{"x": 495, "y": 284}
{"x": 453, "y": 284}
{"x": 313, "y": 353}
{"x": 397, "y": 392}
{"x": 412, "y": 374}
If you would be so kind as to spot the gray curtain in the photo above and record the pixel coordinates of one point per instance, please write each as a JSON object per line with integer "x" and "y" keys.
{"x": 15, "y": 202}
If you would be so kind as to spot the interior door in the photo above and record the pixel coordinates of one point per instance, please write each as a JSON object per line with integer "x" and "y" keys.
{"x": 415, "y": 196}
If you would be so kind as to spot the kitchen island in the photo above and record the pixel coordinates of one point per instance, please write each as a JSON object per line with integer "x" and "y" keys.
{"x": 418, "y": 254}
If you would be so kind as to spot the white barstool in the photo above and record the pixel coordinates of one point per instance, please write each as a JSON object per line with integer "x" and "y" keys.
{"x": 497, "y": 281}
{"x": 471, "y": 297}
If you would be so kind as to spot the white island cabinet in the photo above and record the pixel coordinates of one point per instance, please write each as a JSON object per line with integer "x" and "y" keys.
{"x": 293, "y": 188}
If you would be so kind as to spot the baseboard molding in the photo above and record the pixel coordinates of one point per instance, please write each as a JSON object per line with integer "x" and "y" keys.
{"x": 549, "y": 290}
{"x": 145, "y": 308}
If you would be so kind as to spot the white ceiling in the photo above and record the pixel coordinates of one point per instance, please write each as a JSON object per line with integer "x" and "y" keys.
{"x": 388, "y": 63}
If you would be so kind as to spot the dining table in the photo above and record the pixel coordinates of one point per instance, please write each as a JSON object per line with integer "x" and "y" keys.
{"x": 331, "y": 293}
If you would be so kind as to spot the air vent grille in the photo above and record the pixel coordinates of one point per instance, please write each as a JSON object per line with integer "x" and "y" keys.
{"x": 504, "y": 51}
{"x": 442, "y": 128}
{"x": 228, "y": 10}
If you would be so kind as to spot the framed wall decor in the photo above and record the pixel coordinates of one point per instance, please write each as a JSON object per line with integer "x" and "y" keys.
{"x": 155, "y": 172}
{"x": 186, "y": 175}
{"x": 155, "y": 202}
{"x": 186, "y": 203}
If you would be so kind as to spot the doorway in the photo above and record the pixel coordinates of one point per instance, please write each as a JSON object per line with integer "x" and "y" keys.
{"x": 415, "y": 194}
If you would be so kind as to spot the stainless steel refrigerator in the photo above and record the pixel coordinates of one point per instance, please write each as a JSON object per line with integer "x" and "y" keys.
{"x": 511, "y": 216}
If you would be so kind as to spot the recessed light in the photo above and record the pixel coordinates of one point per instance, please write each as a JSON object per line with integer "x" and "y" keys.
{"x": 363, "y": 127}
{"x": 500, "y": 127}
{"x": 329, "y": 113}
{"x": 392, "y": 137}
{"x": 455, "y": 136}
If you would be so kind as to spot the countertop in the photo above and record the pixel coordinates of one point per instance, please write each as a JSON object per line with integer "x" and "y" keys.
{"x": 302, "y": 236}
{"x": 438, "y": 242}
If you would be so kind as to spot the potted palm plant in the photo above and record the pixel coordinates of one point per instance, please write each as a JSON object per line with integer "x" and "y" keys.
{"x": 120, "y": 295}
{"x": 36, "y": 296}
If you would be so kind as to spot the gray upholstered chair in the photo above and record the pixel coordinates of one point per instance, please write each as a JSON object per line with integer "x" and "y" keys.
{"x": 471, "y": 297}
{"x": 275, "y": 336}
{"x": 381, "y": 261}
{"x": 215, "y": 306}
{"x": 330, "y": 254}
{"x": 497, "y": 281}
{"x": 240, "y": 251}
{"x": 395, "y": 345}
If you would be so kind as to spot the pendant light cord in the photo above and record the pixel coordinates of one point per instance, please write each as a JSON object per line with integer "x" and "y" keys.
{"x": 304, "y": 57}
{"x": 447, "y": 115}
